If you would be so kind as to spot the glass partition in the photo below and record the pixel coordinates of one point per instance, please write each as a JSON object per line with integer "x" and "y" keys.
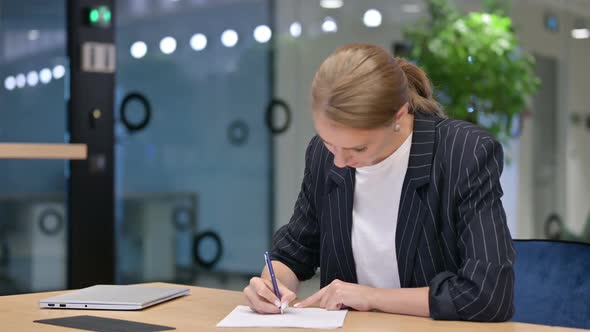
{"x": 33, "y": 219}
{"x": 193, "y": 149}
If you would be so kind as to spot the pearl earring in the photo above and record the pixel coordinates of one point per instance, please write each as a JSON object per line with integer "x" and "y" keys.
{"x": 396, "y": 127}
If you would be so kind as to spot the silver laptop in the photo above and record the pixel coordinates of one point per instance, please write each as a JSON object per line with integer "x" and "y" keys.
{"x": 113, "y": 297}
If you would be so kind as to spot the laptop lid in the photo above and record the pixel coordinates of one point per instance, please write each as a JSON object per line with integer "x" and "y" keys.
{"x": 113, "y": 297}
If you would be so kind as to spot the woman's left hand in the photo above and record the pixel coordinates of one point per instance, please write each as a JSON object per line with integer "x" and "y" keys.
{"x": 340, "y": 294}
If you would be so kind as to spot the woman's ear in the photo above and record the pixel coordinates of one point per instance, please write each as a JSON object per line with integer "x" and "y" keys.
{"x": 402, "y": 111}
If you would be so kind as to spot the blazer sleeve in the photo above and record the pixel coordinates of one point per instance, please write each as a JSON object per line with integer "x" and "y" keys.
{"x": 296, "y": 244}
{"x": 483, "y": 287}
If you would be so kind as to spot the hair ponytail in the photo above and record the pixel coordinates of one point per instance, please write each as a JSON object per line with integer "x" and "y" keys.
{"x": 419, "y": 90}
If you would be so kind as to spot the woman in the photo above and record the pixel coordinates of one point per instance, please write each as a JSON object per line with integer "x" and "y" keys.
{"x": 399, "y": 207}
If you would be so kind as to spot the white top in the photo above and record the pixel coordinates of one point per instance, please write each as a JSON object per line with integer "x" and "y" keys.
{"x": 377, "y": 195}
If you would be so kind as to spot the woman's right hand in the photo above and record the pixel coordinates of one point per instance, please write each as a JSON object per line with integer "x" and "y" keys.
{"x": 261, "y": 297}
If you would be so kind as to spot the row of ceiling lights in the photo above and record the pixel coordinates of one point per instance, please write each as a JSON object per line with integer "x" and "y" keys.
{"x": 372, "y": 18}
{"x": 262, "y": 34}
{"x": 198, "y": 42}
{"x": 580, "y": 31}
{"x": 33, "y": 78}
{"x": 229, "y": 38}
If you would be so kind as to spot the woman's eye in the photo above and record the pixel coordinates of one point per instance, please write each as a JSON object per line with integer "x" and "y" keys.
{"x": 361, "y": 149}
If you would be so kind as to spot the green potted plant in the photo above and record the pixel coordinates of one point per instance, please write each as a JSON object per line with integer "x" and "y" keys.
{"x": 476, "y": 64}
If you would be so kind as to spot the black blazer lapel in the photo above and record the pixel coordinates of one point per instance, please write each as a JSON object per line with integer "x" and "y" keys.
{"x": 340, "y": 194}
{"x": 411, "y": 208}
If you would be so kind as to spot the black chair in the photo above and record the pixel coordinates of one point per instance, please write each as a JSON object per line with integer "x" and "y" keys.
{"x": 552, "y": 283}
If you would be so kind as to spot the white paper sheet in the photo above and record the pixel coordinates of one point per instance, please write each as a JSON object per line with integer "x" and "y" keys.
{"x": 311, "y": 318}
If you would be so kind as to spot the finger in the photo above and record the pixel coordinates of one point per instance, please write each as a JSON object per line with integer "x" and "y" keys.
{"x": 248, "y": 302}
{"x": 286, "y": 294}
{"x": 264, "y": 289}
{"x": 323, "y": 302}
{"x": 335, "y": 307}
{"x": 330, "y": 300}
{"x": 250, "y": 296}
{"x": 312, "y": 299}
{"x": 288, "y": 298}
{"x": 334, "y": 300}
{"x": 259, "y": 304}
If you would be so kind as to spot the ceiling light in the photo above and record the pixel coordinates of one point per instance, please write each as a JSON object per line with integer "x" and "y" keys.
{"x": 582, "y": 33}
{"x": 21, "y": 81}
{"x": 331, "y": 4}
{"x": 10, "y": 83}
{"x": 295, "y": 29}
{"x": 45, "y": 75}
{"x": 198, "y": 42}
{"x": 32, "y": 78}
{"x": 262, "y": 34}
{"x": 168, "y": 45}
{"x": 138, "y": 49}
{"x": 229, "y": 38}
{"x": 58, "y": 72}
{"x": 33, "y": 35}
{"x": 372, "y": 18}
{"x": 329, "y": 25}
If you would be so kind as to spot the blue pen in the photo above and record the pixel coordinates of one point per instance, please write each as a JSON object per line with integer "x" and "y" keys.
{"x": 272, "y": 277}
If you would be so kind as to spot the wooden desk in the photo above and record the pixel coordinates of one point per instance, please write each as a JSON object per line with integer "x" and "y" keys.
{"x": 205, "y": 307}
{"x": 43, "y": 151}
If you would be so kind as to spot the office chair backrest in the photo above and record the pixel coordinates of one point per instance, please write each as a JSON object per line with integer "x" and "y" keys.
{"x": 552, "y": 283}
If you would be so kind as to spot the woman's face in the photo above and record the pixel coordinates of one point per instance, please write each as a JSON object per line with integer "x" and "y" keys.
{"x": 354, "y": 147}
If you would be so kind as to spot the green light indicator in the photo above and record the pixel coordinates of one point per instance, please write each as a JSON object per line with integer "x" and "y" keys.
{"x": 106, "y": 15}
{"x": 94, "y": 16}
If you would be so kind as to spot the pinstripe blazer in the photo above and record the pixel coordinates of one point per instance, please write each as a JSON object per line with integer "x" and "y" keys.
{"x": 451, "y": 230}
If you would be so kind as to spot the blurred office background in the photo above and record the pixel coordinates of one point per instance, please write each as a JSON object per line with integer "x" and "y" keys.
{"x": 201, "y": 186}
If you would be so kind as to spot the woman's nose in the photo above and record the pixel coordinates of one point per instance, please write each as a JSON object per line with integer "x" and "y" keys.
{"x": 340, "y": 159}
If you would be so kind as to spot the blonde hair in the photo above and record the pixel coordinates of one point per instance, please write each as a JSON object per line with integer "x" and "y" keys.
{"x": 362, "y": 86}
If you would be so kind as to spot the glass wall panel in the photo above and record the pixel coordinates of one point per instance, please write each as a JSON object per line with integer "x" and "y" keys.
{"x": 196, "y": 174}
{"x": 33, "y": 220}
